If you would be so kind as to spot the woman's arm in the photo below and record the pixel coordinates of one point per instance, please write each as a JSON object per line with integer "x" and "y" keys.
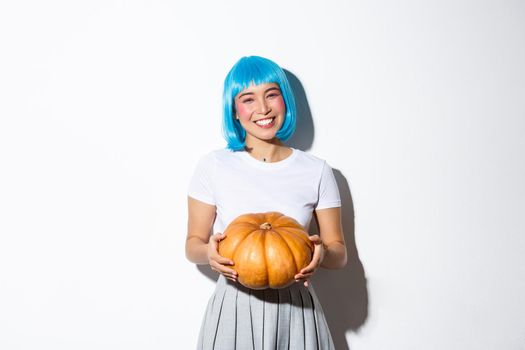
{"x": 201, "y": 248}
{"x": 330, "y": 248}
{"x": 200, "y": 223}
{"x": 331, "y": 232}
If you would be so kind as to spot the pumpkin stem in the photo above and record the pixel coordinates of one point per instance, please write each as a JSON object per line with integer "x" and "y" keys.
{"x": 265, "y": 226}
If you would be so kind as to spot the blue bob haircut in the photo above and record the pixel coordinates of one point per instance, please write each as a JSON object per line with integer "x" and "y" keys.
{"x": 254, "y": 70}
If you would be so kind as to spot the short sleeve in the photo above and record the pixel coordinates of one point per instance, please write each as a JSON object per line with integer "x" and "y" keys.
{"x": 328, "y": 192}
{"x": 201, "y": 183}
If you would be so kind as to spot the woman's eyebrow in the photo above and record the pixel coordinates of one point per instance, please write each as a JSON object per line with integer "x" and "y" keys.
{"x": 251, "y": 93}
{"x": 246, "y": 93}
{"x": 272, "y": 88}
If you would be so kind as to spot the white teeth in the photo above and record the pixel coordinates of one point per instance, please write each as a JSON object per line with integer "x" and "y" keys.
{"x": 264, "y": 121}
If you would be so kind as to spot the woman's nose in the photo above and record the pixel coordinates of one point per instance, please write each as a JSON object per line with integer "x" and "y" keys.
{"x": 263, "y": 107}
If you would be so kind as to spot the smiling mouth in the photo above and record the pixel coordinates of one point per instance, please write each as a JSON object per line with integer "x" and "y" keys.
{"x": 264, "y": 122}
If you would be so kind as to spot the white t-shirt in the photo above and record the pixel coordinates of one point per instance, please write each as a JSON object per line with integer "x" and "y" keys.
{"x": 236, "y": 183}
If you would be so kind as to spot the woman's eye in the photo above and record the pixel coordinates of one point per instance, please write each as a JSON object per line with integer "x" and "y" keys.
{"x": 248, "y": 100}
{"x": 273, "y": 95}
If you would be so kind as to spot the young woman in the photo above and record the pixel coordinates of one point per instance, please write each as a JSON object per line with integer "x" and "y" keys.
{"x": 258, "y": 173}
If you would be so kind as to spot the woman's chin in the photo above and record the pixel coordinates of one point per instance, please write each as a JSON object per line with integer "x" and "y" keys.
{"x": 264, "y": 136}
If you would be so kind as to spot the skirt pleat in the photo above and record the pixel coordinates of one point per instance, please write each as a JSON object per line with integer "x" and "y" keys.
{"x": 284, "y": 317}
{"x": 296, "y": 322}
{"x": 244, "y": 336}
{"x": 310, "y": 343}
{"x": 207, "y": 316}
{"x": 212, "y": 323}
{"x": 228, "y": 316}
{"x": 271, "y": 315}
{"x": 257, "y": 317}
{"x": 240, "y": 318}
{"x": 323, "y": 334}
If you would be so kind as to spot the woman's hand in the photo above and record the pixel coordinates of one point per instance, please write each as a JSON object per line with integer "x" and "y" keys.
{"x": 317, "y": 259}
{"x": 217, "y": 262}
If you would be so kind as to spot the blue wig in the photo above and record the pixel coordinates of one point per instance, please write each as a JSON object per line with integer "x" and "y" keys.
{"x": 254, "y": 70}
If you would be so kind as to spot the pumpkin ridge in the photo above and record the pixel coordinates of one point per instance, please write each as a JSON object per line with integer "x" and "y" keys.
{"x": 296, "y": 234}
{"x": 235, "y": 229}
{"x": 285, "y": 243}
{"x": 297, "y": 267}
{"x": 297, "y": 241}
{"x": 290, "y": 226}
{"x": 265, "y": 259}
{"x": 279, "y": 237}
{"x": 238, "y": 256}
{"x": 242, "y": 240}
{"x": 270, "y": 213}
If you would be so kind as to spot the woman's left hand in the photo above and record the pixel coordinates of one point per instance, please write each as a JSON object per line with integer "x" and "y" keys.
{"x": 317, "y": 259}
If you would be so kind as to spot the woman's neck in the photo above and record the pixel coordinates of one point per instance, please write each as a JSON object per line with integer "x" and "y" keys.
{"x": 267, "y": 151}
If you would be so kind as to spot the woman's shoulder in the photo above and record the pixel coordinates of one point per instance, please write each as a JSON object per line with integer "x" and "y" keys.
{"x": 309, "y": 158}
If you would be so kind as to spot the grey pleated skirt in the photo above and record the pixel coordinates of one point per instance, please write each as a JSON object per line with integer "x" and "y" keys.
{"x": 239, "y": 318}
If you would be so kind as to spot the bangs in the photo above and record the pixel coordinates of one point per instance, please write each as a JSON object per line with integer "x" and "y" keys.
{"x": 253, "y": 72}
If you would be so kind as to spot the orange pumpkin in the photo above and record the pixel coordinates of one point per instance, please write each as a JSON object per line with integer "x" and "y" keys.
{"x": 268, "y": 249}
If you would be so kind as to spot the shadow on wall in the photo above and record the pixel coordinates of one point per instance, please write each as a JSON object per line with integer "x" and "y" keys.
{"x": 303, "y": 138}
{"x": 343, "y": 293}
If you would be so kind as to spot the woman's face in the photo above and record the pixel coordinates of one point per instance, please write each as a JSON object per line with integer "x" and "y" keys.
{"x": 260, "y": 109}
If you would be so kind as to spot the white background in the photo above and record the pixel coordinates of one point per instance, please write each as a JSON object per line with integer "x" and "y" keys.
{"x": 106, "y": 106}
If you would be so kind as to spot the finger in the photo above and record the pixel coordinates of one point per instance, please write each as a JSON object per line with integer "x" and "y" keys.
{"x": 221, "y": 260}
{"x": 316, "y": 258}
{"x": 219, "y": 236}
{"x": 216, "y": 238}
{"x": 308, "y": 268}
{"x": 214, "y": 255}
{"x": 221, "y": 268}
{"x": 302, "y": 273}
{"x": 227, "y": 271}
{"x": 316, "y": 239}
{"x": 312, "y": 266}
{"x": 231, "y": 275}
{"x": 304, "y": 280}
{"x": 302, "y": 276}
{"x": 233, "y": 279}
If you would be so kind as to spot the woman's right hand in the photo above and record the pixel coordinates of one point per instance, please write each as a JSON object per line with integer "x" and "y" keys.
{"x": 217, "y": 262}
